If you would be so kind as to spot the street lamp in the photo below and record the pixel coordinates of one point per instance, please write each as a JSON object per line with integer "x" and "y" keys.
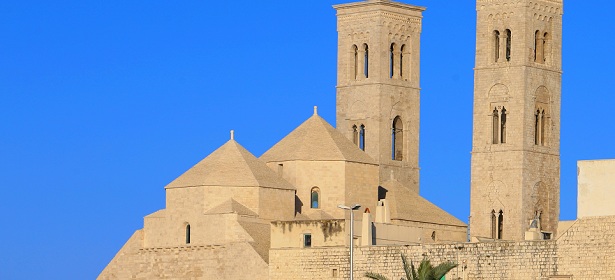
{"x": 351, "y": 209}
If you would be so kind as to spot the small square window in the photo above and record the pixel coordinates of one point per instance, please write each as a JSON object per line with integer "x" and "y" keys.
{"x": 307, "y": 240}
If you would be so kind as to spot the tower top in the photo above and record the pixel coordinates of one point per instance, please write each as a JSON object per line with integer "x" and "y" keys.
{"x": 373, "y": 3}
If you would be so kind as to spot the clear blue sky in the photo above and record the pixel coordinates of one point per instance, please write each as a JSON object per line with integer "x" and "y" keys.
{"x": 105, "y": 102}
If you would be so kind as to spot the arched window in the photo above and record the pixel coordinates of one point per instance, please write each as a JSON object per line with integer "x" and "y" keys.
{"x": 392, "y": 61}
{"x": 401, "y": 61}
{"x": 542, "y": 128}
{"x": 496, "y": 45}
{"x": 503, "y": 126}
{"x": 500, "y": 224}
{"x": 362, "y": 138}
{"x": 499, "y": 125}
{"x": 366, "y": 62}
{"x": 397, "y": 138}
{"x": 508, "y": 44}
{"x": 538, "y": 47}
{"x": 546, "y": 47}
{"x": 188, "y": 234}
{"x": 355, "y": 65}
{"x": 355, "y": 135}
{"x": 315, "y": 198}
{"x": 494, "y": 225}
{"x": 496, "y": 126}
{"x": 539, "y": 127}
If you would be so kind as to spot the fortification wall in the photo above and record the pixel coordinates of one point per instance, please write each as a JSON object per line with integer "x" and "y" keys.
{"x": 583, "y": 251}
{"x": 493, "y": 260}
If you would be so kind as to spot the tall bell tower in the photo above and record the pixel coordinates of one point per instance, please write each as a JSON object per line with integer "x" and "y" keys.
{"x": 378, "y": 84}
{"x": 516, "y": 136}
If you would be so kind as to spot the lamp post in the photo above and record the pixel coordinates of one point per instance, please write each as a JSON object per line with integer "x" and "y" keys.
{"x": 351, "y": 209}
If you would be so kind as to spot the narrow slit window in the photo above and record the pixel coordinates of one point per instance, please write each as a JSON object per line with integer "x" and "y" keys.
{"x": 401, "y": 61}
{"x": 392, "y": 61}
{"x": 362, "y": 138}
{"x": 508, "y": 44}
{"x": 496, "y": 126}
{"x": 496, "y": 45}
{"x": 542, "y": 128}
{"x": 503, "y": 126}
{"x": 366, "y": 63}
{"x": 500, "y": 224}
{"x": 355, "y": 65}
{"x": 188, "y": 234}
{"x": 493, "y": 224}
{"x": 536, "y": 127}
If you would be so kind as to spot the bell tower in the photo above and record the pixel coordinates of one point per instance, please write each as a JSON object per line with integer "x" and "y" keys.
{"x": 516, "y": 135}
{"x": 378, "y": 84}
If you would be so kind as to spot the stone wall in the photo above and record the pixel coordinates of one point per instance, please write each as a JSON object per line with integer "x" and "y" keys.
{"x": 228, "y": 261}
{"x": 494, "y": 260}
{"x": 586, "y": 250}
{"x": 583, "y": 251}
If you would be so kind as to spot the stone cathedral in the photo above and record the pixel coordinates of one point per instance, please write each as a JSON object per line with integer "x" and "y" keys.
{"x": 235, "y": 216}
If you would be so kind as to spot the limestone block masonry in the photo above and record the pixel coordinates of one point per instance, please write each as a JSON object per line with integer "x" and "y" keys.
{"x": 584, "y": 251}
{"x": 378, "y": 91}
{"x": 517, "y": 96}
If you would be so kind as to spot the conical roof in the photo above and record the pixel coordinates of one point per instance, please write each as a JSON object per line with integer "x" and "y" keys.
{"x": 408, "y": 205}
{"x": 315, "y": 139}
{"x": 230, "y": 165}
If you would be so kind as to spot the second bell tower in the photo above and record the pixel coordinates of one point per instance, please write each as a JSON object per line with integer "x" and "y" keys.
{"x": 517, "y": 96}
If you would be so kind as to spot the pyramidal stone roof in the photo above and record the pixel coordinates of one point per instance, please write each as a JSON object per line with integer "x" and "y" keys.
{"x": 231, "y": 206}
{"x": 315, "y": 139}
{"x": 408, "y": 205}
{"x": 230, "y": 165}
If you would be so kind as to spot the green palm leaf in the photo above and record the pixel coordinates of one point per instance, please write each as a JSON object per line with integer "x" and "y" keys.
{"x": 376, "y": 276}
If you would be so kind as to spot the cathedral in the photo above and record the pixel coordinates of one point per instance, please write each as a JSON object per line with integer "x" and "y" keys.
{"x": 294, "y": 212}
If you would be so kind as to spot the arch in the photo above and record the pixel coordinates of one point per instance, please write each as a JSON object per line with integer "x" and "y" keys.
{"x": 397, "y": 139}
{"x": 541, "y": 116}
{"x": 315, "y": 198}
{"x": 508, "y": 44}
{"x": 188, "y": 234}
{"x": 355, "y": 135}
{"x": 498, "y": 90}
{"x": 362, "y": 137}
{"x": 542, "y": 203}
{"x": 542, "y": 95}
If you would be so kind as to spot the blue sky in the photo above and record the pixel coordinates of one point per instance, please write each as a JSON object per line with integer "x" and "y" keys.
{"x": 105, "y": 102}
